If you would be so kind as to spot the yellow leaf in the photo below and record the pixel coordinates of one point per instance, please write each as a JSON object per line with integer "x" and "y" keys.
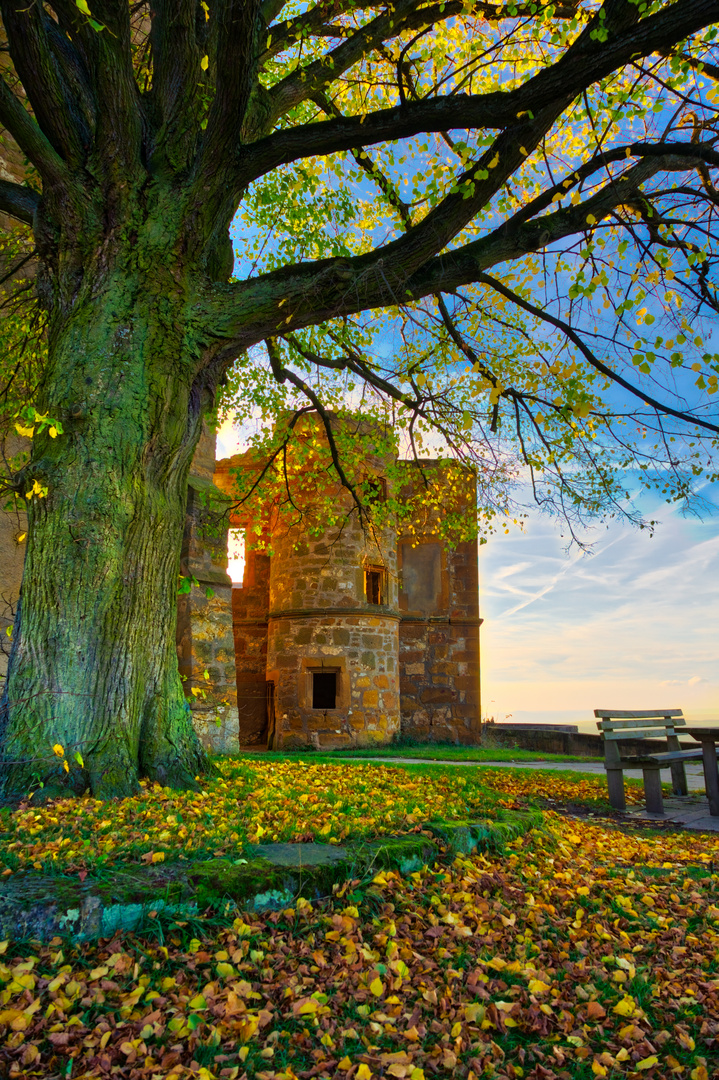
{"x": 646, "y": 1063}
{"x": 82, "y": 6}
{"x": 65, "y": 766}
{"x": 363, "y": 1073}
{"x": 598, "y": 1069}
{"x": 591, "y": 220}
{"x": 158, "y": 856}
{"x": 344, "y": 1064}
{"x": 699, "y": 1073}
{"x": 59, "y": 750}
{"x": 205, "y": 63}
{"x": 52, "y": 432}
{"x": 27, "y": 431}
{"x": 536, "y": 986}
{"x": 225, "y": 971}
{"x": 377, "y": 987}
{"x": 625, "y": 1007}
{"x": 494, "y": 162}
{"x": 21, "y": 537}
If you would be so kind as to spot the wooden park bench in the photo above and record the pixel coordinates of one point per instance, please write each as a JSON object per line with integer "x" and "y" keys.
{"x": 618, "y": 725}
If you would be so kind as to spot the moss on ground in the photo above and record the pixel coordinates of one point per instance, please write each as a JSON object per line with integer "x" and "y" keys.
{"x": 39, "y": 905}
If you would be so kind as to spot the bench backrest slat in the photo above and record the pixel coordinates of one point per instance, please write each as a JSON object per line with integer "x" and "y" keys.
{"x": 634, "y": 714}
{"x": 632, "y": 725}
{"x": 624, "y": 736}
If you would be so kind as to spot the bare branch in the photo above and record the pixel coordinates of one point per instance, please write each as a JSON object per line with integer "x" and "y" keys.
{"x": 591, "y": 358}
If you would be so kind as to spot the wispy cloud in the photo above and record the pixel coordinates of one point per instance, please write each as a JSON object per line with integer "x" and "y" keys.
{"x": 633, "y": 623}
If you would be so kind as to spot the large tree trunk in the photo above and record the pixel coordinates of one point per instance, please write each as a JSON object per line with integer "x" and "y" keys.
{"x": 93, "y": 667}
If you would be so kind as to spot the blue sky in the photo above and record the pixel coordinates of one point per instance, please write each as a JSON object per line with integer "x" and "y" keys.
{"x": 635, "y": 624}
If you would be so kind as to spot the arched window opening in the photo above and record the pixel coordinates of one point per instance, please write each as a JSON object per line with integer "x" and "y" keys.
{"x": 236, "y": 556}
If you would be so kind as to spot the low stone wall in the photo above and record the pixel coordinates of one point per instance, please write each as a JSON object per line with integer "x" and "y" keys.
{"x": 546, "y": 740}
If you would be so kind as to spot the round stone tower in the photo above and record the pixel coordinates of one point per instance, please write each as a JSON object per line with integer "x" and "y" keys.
{"x": 333, "y": 624}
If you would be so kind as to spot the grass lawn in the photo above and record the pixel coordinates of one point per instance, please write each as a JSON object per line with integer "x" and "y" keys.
{"x": 440, "y": 752}
{"x": 580, "y": 952}
{"x": 278, "y": 798}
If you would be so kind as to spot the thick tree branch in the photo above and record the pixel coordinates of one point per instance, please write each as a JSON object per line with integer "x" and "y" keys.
{"x": 310, "y": 293}
{"x": 576, "y": 70}
{"x": 238, "y": 31}
{"x": 176, "y": 77}
{"x": 27, "y": 27}
{"x": 117, "y": 147}
{"x": 31, "y": 140}
{"x": 20, "y": 202}
{"x": 301, "y": 84}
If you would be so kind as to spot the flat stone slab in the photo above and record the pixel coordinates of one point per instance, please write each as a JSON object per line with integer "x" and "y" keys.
{"x": 272, "y": 876}
{"x": 299, "y": 855}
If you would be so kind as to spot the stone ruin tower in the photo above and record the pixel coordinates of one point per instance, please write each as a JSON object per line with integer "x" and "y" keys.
{"x": 352, "y": 637}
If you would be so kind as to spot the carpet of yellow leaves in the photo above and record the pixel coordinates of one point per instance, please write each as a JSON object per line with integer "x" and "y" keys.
{"x": 583, "y": 952}
{"x": 268, "y": 802}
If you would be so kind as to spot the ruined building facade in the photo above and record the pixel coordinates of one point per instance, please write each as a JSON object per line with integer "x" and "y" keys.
{"x": 356, "y": 636}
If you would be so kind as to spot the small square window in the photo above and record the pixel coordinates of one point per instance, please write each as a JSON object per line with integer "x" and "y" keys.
{"x": 324, "y": 689}
{"x": 375, "y": 585}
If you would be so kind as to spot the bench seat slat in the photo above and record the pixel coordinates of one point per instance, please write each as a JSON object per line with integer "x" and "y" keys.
{"x": 634, "y": 714}
{"x": 661, "y": 759}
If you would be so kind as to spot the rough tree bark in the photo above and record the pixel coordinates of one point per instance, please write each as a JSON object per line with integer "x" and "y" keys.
{"x": 93, "y": 666}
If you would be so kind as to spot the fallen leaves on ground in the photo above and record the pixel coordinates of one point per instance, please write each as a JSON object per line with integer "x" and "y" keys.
{"x": 268, "y": 802}
{"x": 582, "y": 952}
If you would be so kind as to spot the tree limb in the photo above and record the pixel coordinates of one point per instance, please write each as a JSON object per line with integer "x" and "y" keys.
{"x": 21, "y": 202}
{"x": 31, "y": 140}
{"x": 42, "y": 78}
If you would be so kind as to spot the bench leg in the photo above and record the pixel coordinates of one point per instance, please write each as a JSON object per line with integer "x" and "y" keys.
{"x": 653, "y": 789}
{"x": 615, "y": 785}
{"x": 679, "y": 778}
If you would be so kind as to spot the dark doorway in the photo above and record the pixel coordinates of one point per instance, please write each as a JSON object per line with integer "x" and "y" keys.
{"x": 324, "y": 689}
